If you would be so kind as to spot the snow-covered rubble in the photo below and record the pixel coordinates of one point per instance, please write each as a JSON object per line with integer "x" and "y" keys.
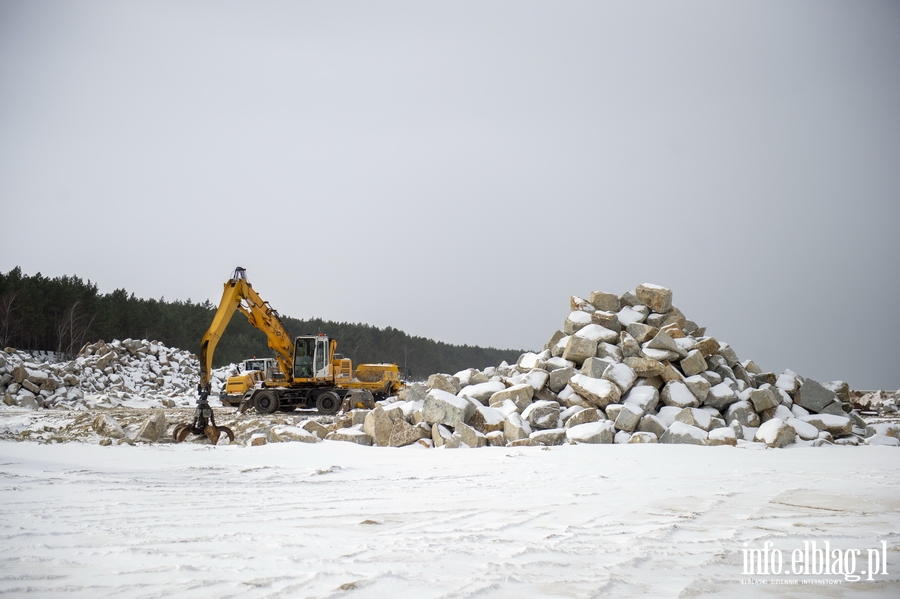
{"x": 137, "y": 373}
{"x": 622, "y": 369}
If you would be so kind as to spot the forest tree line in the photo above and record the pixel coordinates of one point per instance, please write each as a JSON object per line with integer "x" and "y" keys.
{"x": 64, "y": 313}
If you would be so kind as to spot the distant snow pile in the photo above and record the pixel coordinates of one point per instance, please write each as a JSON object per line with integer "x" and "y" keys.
{"x": 138, "y": 373}
{"x": 629, "y": 369}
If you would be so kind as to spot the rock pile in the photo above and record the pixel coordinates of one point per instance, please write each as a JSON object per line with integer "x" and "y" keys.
{"x": 629, "y": 369}
{"x": 103, "y": 375}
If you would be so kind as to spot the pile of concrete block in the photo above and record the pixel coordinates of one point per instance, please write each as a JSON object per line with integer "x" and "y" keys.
{"x": 103, "y": 375}
{"x": 622, "y": 369}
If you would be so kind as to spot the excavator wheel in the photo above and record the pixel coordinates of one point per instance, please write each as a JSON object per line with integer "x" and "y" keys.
{"x": 328, "y": 403}
{"x": 266, "y": 402}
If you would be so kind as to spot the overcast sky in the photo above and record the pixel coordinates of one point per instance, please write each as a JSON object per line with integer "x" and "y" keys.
{"x": 458, "y": 169}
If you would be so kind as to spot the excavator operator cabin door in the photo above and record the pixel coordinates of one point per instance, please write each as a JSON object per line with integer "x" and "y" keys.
{"x": 322, "y": 364}
{"x": 303, "y": 357}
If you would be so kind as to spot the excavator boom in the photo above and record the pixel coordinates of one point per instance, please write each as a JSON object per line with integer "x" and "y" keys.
{"x": 238, "y": 295}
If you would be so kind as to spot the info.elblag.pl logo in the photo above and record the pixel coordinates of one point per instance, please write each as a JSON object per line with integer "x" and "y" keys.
{"x": 815, "y": 558}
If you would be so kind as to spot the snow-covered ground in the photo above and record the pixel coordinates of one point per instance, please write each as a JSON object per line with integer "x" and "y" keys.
{"x": 334, "y": 519}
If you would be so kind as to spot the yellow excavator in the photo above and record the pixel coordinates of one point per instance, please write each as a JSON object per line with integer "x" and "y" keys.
{"x": 309, "y": 373}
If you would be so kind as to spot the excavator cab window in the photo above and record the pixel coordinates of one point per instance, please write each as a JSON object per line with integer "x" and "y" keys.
{"x": 303, "y": 358}
{"x": 321, "y": 349}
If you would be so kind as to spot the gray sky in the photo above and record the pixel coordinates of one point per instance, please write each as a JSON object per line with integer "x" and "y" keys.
{"x": 459, "y": 169}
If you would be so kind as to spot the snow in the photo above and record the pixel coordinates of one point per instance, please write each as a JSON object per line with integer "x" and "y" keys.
{"x": 682, "y": 428}
{"x": 644, "y": 397}
{"x": 769, "y": 430}
{"x": 878, "y": 439}
{"x": 627, "y": 316}
{"x": 680, "y": 395}
{"x": 805, "y": 430}
{"x": 595, "y": 332}
{"x": 305, "y": 520}
{"x": 580, "y": 317}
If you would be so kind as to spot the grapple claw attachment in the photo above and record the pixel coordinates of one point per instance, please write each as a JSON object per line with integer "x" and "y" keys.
{"x": 204, "y": 422}
{"x": 212, "y": 433}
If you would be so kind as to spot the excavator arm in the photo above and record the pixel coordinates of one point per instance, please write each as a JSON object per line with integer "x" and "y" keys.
{"x": 238, "y": 295}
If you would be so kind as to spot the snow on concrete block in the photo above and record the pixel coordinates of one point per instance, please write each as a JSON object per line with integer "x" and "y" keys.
{"x": 620, "y": 374}
{"x": 404, "y": 433}
{"x": 805, "y": 430}
{"x": 730, "y": 357}
{"x": 515, "y": 428}
{"x": 836, "y": 425}
{"x": 350, "y": 435}
{"x": 595, "y": 367}
{"x": 743, "y": 412}
{"x": 316, "y": 428}
{"x": 576, "y": 321}
{"x": 888, "y": 429}
{"x": 721, "y": 396}
{"x": 628, "y": 315}
{"x": 524, "y": 443}
{"x": 537, "y": 378}
{"x": 470, "y": 436}
{"x": 722, "y": 436}
{"x": 883, "y": 440}
{"x": 776, "y": 433}
{"x": 658, "y": 299}
{"x": 608, "y": 302}
{"x": 559, "y": 378}
{"x": 591, "y": 432}
{"x": 643, "y": 437}
{"x": 481, "y": 392}
{"x": 644, "y": 367}
{"x": 607, "y": 320}
{"x": 678, "y": 395}
{"x": 813, "y": 396}
{"x": 599, "y": 392}
{"x": 520, "y": 394}
{"x": 444, "y": 382}
{"x": 694, "y": 363}
{"x": 153, "y": 428}
{"x": 583, "y": 417}
{"x": 106, "y": 425}
{"x": 763, "y": 399}
{"x": 378, "y": 424}
{"x": 285, "y": 434}
{"x": 641, "y": 332}
{"x": 578, "y": 349}
{"x": 496, "y": 439}
{"x": 681, "y": 433}
{"x": 549, "y": 437}
{"x": 622, "y": 437}
{"x": 609, "y": 352}
{"x": 644, "y": 397}
{"x": 527, "y": 361}
{"x": 442, "y": 407}
{"x": 695, "y": 417}
{"x": 699, "y": 386}
{"x": 542, "y": 415}
{"x": 440, "y": 434}
{"x": 486, "y": 420}
{"x": 652, "y": 424}
{"x": 788, "y": 381}
{"x": 595, "y": 332}
{"x": 628, "y": 417}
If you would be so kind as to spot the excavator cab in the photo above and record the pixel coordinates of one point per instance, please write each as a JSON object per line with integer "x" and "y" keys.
{"x": 311, "y": 357}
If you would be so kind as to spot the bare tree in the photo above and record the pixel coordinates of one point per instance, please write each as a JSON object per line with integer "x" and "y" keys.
{"x": 9, "y": 324}
{"x": 72, "y": 329}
